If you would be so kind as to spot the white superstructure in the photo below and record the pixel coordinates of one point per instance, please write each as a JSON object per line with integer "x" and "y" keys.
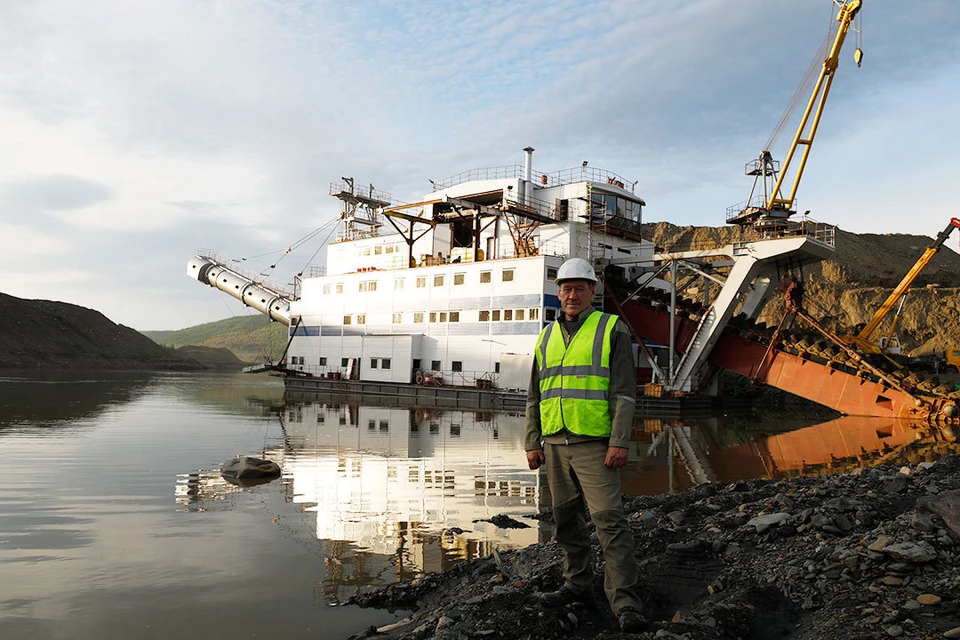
{"x": 465, "y": 281}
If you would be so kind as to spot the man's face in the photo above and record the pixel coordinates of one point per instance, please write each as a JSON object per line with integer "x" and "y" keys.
{"x": 575, "y": 296}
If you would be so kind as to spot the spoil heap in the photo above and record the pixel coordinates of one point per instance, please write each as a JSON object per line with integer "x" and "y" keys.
{"x": 874, "y": 553}
{"x": 45, "y": 334}
{"x": 847, "y": 290}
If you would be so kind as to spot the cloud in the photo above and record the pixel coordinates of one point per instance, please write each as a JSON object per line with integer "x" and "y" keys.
{"x": 54, "y": 193}
{"x": 143, "y": 129}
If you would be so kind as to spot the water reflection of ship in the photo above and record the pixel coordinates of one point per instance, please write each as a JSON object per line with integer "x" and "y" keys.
{"x": 369, "y": 472}
{"x": 670, "y": 456}
{"x": 395, "y": 490}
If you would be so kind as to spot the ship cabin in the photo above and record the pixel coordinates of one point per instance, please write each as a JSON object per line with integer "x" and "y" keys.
{"x": 454, "y": 288}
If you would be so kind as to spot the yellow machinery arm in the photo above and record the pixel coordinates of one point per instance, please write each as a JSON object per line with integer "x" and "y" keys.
{"x": 862, "y": 340}
{"x": 848, "y": 11}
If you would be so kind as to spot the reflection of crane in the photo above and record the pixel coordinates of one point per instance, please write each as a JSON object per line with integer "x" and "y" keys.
{"x": 862, "y": 339}
{"x": 771, "y": 207}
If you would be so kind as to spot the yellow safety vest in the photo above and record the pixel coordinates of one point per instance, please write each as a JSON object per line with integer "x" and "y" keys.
{"x": 575, "y": 379}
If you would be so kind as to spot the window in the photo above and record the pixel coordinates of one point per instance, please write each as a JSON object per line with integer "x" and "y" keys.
{"x": 339, "y": 287}
{"x": 457, "y": 365}
{"x": 366, "y": 251}
{"x": 421, "y": 282}
{"x": 385, "y": 363}
{"x": 507, "y": 314}
{"x": 371, "y": 425}
{"x": 347, "y": 319}
{"x": 496, "y": 367}
{"x": 388, "y": 249}
{"x": 484, "y": 277}
{"x": 454, "y": 430}
{"x": 361, "y": 318}
{"x": 416, "y": 363}
{"x": 370, "y": 285}
{"x": 518, "y": 314}
{"x": 384, "y": 425}
{"x": 484, "y": 315}
{"x": 323, "y": 361}
{"x": 550, "y": 315}
{"x": 398, "y": 283}
{"x": 343, "y": 362}
{"x": 496, "y": 315}
{"x": 507, "y": 275}
{"x": 377, "y": 250}
{"x": 534, "y": 314}
{"x": 458, "y": 278}
{"x": 443, "y": 316}
{"x": 433, "y": 316}
{"x": 435, "y": 365}
{"x": 373, "y": 363}
{"x": 454, "y": 316}
{"x": 326, "y": 289}
{"x": 438, "y": 280}
{"x": 551, "y": 273}
{"x": 418, "y": 317}
{"x": 397, "y": 318}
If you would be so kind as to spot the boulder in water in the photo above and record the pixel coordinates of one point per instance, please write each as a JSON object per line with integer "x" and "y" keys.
{"x": 249, "y": 471}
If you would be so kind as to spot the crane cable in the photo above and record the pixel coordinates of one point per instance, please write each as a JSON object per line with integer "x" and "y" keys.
{"x": 299, "y": 243}
{"x": 322, "y": 244}
{"x": 804, "y": 87}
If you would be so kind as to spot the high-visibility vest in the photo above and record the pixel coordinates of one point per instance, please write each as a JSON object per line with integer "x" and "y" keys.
{"x": 575, "y": 379}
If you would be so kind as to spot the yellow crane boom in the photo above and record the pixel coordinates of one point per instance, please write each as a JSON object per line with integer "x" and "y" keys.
{"x": 848, "y": 11}
{"x": 862, "y": 339}
{"x": 767, "y": 207}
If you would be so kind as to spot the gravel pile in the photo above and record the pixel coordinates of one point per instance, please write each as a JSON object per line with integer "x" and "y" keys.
{"x": 874, "y": 553}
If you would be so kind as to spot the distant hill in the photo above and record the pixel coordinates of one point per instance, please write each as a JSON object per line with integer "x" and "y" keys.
{"x": 44, "y": 334}
{"x": 250, "y": 338}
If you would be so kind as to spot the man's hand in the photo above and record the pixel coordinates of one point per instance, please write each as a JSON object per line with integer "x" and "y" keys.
{"x": 616, "y": 457}
{"x": 535, "y": 458}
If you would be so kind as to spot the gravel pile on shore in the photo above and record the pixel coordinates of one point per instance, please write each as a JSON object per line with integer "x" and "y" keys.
{"x": 874, "y": 553}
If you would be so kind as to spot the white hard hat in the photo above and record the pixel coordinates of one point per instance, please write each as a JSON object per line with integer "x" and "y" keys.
{"x": 576, "y": 269}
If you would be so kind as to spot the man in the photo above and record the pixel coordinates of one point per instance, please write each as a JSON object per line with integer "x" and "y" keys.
{"x": 580, "y": 407}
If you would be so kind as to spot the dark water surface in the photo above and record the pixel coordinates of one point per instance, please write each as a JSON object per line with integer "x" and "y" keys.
{"x": 115, "y": 522}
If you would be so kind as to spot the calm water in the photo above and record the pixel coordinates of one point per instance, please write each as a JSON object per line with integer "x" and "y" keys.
{"x": 115, "y": 522}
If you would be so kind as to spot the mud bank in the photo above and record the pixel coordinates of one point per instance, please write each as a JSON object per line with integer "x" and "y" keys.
{"x": 874, "y": 553}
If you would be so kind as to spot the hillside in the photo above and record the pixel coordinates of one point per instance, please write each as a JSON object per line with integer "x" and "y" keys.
{"x": 250, "y": 338}
{"x": 55, "y": 335}
{"x": 848, "y": 289}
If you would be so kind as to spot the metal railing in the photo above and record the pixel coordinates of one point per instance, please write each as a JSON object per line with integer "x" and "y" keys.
{"x": 437, "y": 378}
{"x": 536, "y": 205}
{"x": 543, "y": 248}
{"x": 507, "y": 172}
{"x": 555, "y": 179}
{"x": 258, "y": 278}
{"x": 360, "y": 192}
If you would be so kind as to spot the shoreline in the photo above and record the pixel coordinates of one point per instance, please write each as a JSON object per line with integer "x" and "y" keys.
{"x": 872, "y": 553}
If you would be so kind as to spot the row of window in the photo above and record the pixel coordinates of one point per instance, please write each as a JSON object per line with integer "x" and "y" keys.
{"x": 380, "y": 249}
{"x": 506, "y": 275}
{"x": 486, "y": 315}
{"x": 385, "y": 363}
{"x": 375, "y": 363}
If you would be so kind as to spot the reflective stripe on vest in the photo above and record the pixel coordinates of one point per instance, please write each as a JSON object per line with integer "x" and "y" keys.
{"x": 575, "y": 379}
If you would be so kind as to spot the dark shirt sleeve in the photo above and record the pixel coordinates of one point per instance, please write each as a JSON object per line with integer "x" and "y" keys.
{"x": 623, "y": 386}
{"x": 533, "y": 434}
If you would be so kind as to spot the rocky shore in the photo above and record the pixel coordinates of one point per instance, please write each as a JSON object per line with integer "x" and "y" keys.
{"x": 874, "y": 553}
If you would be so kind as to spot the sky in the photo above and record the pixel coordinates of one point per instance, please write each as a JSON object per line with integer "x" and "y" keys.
{"x": 138, "y": 131}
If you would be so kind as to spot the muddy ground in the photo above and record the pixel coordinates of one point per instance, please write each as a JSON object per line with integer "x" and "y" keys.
{"x": 874, "y": 553}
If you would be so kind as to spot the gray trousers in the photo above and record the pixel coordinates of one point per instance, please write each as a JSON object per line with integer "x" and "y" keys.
{"x": 577, "y": 476}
